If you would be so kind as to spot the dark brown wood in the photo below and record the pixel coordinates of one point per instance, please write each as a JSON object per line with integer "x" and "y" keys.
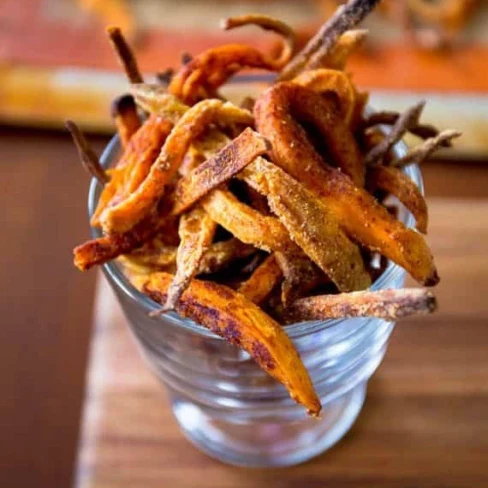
{"x": 424, "y": 424}
{"x": 45, "y": 307}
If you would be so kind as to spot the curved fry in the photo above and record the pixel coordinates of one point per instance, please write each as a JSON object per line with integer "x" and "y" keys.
{"x": 230, "y": 315}
{"x": 270, "y": 24}
{"x": 397, "y": 183}
{"x": 138, "y": 204}
{"x": 359, "y": 214}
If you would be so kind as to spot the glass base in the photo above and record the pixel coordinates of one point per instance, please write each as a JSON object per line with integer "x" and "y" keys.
{"x": 267, "y": 443}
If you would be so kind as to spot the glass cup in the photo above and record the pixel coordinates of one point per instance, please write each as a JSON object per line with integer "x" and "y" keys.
{"x": 224, "y": 403}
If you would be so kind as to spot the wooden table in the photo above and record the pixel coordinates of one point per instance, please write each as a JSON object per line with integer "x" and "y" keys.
{"x": 425, "y": 421}
{"x": 424, "y": 424}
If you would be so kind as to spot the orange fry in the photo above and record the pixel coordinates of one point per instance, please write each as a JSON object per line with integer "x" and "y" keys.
{"x": 139, "y": 204}
{"x": 226, "y": 163}
{"x": 196, "y": 231}
{"x": 230, "y": 315}
{"x": 245, "y": 223}
{"x": 124, "y": 113}
{"x": 397, "y": 183}
{"x": 310, "y": 224}
{"x": 330, "y": 80}
{"x": 270, "y": 24}
{"x": 384, "y": 304}
{"x": 361, "y": 217}
{"x": 261, "y": 283}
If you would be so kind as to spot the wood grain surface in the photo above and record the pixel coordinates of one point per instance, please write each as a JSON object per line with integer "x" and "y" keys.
{"x": 424, "y": 424}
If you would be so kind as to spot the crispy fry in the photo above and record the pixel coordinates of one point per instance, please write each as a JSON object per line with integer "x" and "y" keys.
{"x": 383, "y": 304}
{"x": 407, "y": 119}
{"x": 312, "y": 55}
{"x": 221, "y": 254}
{"x": 140, "y": 203}
{"x": 359, "y": 214}
{"x": 212, "y": 68}
{"x": 329, "y": 80}
{"x": 338, "y": 55}
{"x": 155, "y": 100}
{"x": 124, "y": 54}
{"x": 310, "y": 224}
{"x": 157, "y": 256}
{"x": 245, "y": 223}
{"x": 132, "y": 167}
{"x": 124, "y": 113}
{"x": 230, "y": 315}
{"x": 264, "y": 278}
{"x": 424, "y": 131}
{"x": 270, "y": 24}
{"x": 196, "y": 231}
{"x": 397, "y": 183}
{"x": 87, "y": 155}
{"x": 215, "y": 171}
{"x": 420, "y": 153}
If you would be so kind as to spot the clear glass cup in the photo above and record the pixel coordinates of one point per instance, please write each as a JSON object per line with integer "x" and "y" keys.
{"x": 225, "y": 404}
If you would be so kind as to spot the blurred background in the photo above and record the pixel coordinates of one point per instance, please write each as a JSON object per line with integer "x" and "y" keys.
{"x": 56, "y": 63}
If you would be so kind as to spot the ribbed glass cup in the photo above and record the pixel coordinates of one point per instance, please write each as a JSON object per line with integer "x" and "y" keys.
{"x": 225, "y": 404}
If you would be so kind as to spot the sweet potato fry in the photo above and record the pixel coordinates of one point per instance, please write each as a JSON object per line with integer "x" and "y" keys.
{"x": 409, "y": 118}
{"x": 226, "y": 163}
{"x": 138, "y": 204}
{"x": 337, "y": 56}
{"x": 211, "y": 69}
{"x": 125, "y": 55}
{"x": 329, "y": 80}
{"x": 124, "y": 114}
{"x": 264, "y": 278}
{"x": 221, "y": 255}
{"x": 313, "y": 54}
{"x": 360, "y": 216}
{"x": 160, "y": 257}
{"x": 384, "y": 304}
{"x": 270, "y": 24}
{"x": 310, "y": 224}
{"x": 397, "y": 183}
{"x": 230, "y": 315}
{"x": 420, "y": 153}
{"x": 245, "y": 223}
{"x": 87, "y": 155}
{"x": 196, "y": 231}
{"x": 138, "y": 156}
{"x": 155, "y": 100}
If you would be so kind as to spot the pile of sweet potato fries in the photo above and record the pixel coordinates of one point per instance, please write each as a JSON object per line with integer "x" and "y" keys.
{"x": 245, "y": 218}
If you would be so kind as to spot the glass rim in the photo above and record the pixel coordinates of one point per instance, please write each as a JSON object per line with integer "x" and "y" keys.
{"x": 114, "y": 273}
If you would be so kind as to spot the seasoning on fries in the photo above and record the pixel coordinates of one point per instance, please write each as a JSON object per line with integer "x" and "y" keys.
{"x": 242, "y": 216}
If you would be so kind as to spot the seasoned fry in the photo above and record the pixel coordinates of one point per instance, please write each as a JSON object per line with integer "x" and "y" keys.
{"x": 245, "y": 223}
{"x": 125, "y": 55}
{"x": 383, "y": 304}
{"x": 196, "y": 231}
{"x": 211, "y": 69}
{"x": 87, "y": 155}
{"x": 329, "y": 80}
{"x": 408, "y": 119}
{"x": 420, "y": 153}
{"x": 215, "y": 171}
{"x": 310, "y": 224}
{"x": 424, "y": 131}
{"x": 134, "y": 164}
{"x": 124, "y": 113}
{"x": 397, "y": 183}
{"x": 140, "y": 203}
{"x": 154, "y": 99}
{"x": 361, "y": 217}
{"x": 261, "y": 283}
{"x": 230, "y": 315}
{"x": 222, "y": 254}
{"x": 270, "y": 24}
{"x": 337, "y": 56}
{"x": 313, "y": 54}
